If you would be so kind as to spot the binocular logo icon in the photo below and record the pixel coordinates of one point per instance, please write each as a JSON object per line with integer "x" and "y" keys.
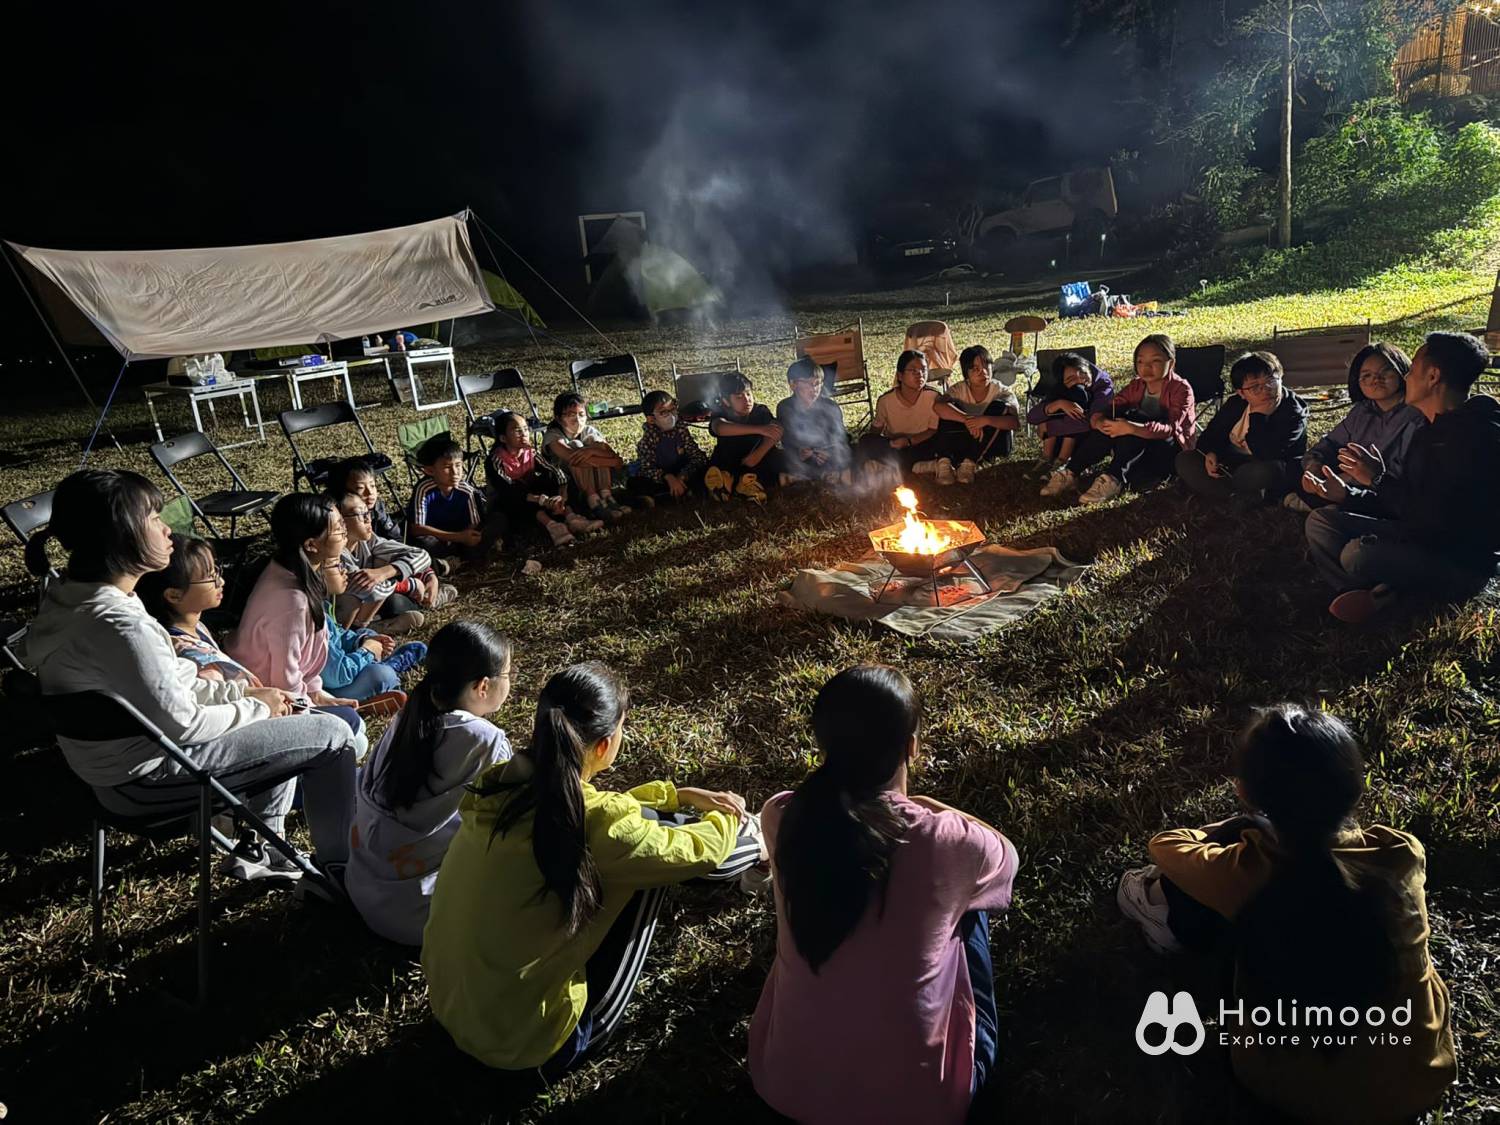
{"x": 1180, "y": 1011}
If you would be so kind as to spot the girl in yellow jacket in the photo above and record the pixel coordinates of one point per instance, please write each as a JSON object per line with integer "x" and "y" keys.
{"x": 547, "y": 900}
{"x": 1339, "y": 1014}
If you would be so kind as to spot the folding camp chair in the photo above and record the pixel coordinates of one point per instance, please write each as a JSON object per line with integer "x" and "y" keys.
{"x": 1315, "y": 361}
{"x": 236, "y": 503}
{"x": 412, "y": 436}
{"x": 480, "y": 428}
{"x": 842, "y": 357}
{"x": 28, "y": 515}
{"x": 102, "y": 716}
{"x": 698, "y": 393}
{"x": 934, "y": 340}
{"x": 315, "y": 472}
{"x": 1203, "y": 368}
{"x": 583, "y": 371}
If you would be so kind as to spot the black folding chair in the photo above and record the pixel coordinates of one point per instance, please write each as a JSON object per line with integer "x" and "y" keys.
{"x": 480, "y": 427}
{"x": 1044, "y": 387}
{"x": 236, "y": 502}
{"x": 1203, "y": 368}
{"x": 315, "y": 471}
{"x": 615, "y": 367}
{"x": 28, "y": 515}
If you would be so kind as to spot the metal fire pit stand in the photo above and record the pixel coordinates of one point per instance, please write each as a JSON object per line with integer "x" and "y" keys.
{"x": 948, "y": 570}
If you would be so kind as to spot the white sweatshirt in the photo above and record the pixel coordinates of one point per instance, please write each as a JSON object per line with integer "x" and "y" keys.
{"x": 90, "y": 636}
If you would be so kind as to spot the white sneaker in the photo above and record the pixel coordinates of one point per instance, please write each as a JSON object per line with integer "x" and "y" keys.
{"x": 944, "y": 473}
{"x": 756, "y": 880}
{"x": 1140, "y": 899}
{"x": 925, "y": 468}
{"x": 1061, "y": 480}
{"x": 966, "y": 471}
{"x": 1105, "y": 487}
{"x": 1295, "y": 503}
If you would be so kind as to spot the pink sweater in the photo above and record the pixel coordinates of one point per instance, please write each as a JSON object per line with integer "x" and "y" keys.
{"x": 276, "y": 640}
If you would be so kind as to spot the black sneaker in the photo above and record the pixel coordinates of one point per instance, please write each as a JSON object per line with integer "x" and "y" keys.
{"x": 252, "y": 861}
{"x": 329, "y": 888}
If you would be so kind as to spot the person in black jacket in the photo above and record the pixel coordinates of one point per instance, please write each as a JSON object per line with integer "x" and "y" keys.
{"x": 1431, "y": 527}
{"x": 1251, "y": 449}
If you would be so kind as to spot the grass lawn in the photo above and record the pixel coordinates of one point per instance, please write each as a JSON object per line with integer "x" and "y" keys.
{"x": 1098, "y": 720}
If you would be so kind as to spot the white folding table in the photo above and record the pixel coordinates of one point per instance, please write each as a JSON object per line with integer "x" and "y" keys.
{"x": 421, "y": 357}
{"x": 233, "y": 387}
{"x": 296, "y": 376}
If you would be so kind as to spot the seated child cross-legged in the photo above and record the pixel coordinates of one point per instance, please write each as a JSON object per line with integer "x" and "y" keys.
{"x": 1252, "y": 450}
{"x": 448, "y": 517}
{"x": 814, "y": 439}
{"x": 548, "y": 895}
{"x": 387, "y": 580}
{"x": 178, "y": 596}
{"x": 527, "y": 489}
{"x": 745, "y": 457}
{"x": 669, "y": 463}
{"x": 880, "y": 1003}
{"x": 362, "y": 663}
{"x": 579, "y": 449}
{"x": 406, "y": 802}
{"x": 901, "y": 439}
{"x": 1322, "y": 914}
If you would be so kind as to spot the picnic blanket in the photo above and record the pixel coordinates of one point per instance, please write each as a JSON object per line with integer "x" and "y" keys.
{"x": 1019, "y": 582}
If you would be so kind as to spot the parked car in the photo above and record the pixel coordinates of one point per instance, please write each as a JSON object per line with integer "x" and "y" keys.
{"x": 1079, "y": 203}
{"x": 910, "y": 236}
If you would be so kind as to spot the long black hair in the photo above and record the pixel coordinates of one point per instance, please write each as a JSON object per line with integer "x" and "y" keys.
{"x": 192, "y": 560}
{"x": 459, "y": 654}
{"x": 579, "y": 706}
{"x": 1315, "y": 932}
{"x": 834, "y": 847}
{"x": 100, "y": 516}
{"x": 296, "y": 518}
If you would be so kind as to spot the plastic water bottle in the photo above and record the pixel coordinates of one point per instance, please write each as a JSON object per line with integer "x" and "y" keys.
{"x": 364, "y": 343}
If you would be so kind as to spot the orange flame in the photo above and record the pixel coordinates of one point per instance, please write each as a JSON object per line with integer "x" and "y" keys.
{"x": 919, "y": 537}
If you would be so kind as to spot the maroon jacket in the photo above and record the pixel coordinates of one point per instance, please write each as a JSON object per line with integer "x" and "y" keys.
{"x": 1176, "y": 400}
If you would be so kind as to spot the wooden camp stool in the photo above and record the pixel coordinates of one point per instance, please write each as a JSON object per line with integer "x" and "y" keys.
{"x": 933, "y": 339}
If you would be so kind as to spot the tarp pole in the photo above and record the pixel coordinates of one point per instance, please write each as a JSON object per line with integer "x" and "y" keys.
{"x": 68, "y": 362}
{"x": 87, "y": 449}
{"x": 484, "y": 226}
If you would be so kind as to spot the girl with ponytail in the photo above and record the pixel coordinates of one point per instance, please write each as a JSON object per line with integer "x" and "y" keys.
{"x": 880, "y": 1005}
{"x": 406, "y": 804}
{"x": 1320, "y": 913}
{"x": 548, "y": 897}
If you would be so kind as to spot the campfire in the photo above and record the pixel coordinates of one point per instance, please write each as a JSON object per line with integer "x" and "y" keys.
{"x": 932, "y": 550}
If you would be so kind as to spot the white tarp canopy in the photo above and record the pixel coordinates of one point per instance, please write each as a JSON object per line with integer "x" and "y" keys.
{"x": 152, "y": 304}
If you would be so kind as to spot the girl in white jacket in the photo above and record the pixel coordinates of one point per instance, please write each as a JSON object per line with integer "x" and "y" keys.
{"x": 92, "y": 633}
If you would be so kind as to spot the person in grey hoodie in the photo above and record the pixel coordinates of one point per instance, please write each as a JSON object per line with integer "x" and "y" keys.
{"x": 92, "y": 633}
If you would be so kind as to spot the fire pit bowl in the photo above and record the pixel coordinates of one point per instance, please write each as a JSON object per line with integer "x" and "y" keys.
{"x": 962, "y": 536}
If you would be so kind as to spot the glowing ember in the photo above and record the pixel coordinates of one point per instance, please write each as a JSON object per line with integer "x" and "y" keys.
{"x": 918, "y": 537}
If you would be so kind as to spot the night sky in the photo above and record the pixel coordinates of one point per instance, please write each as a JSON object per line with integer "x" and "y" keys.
{"x": 755, "y": 136}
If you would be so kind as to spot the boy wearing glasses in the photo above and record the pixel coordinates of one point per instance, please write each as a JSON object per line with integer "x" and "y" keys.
{"x": 1252, "y": 450}
{"x": 387, "y": 579}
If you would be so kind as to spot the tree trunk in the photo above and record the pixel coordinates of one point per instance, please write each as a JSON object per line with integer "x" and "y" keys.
{"x": 1284, "y": 180}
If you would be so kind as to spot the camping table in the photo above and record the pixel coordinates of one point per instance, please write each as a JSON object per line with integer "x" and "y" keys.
{"x": 419, "y": 357}
{"x": 209, "y": 393}
{"x": 296, "y": 376}
{"x": 366, "y": 366}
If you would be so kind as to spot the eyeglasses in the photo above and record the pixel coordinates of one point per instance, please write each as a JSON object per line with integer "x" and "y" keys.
{"x": 215, "y": 579}
{"x": 363, "y": 515}
{"x": 1260, "y": 388}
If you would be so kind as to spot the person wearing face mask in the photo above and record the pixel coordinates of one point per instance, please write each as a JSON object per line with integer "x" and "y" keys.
{"x": 1251, "y": 450}
{"x": 577, "y": 447}
{"x": 669, "y": 463}
{"x": 1379, "y": 419}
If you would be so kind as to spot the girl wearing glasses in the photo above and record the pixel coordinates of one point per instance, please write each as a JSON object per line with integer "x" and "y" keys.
{"x": 1252, "y": 450}
{"x": 179, "y": 596}
{"x": 1379, "y": 419}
